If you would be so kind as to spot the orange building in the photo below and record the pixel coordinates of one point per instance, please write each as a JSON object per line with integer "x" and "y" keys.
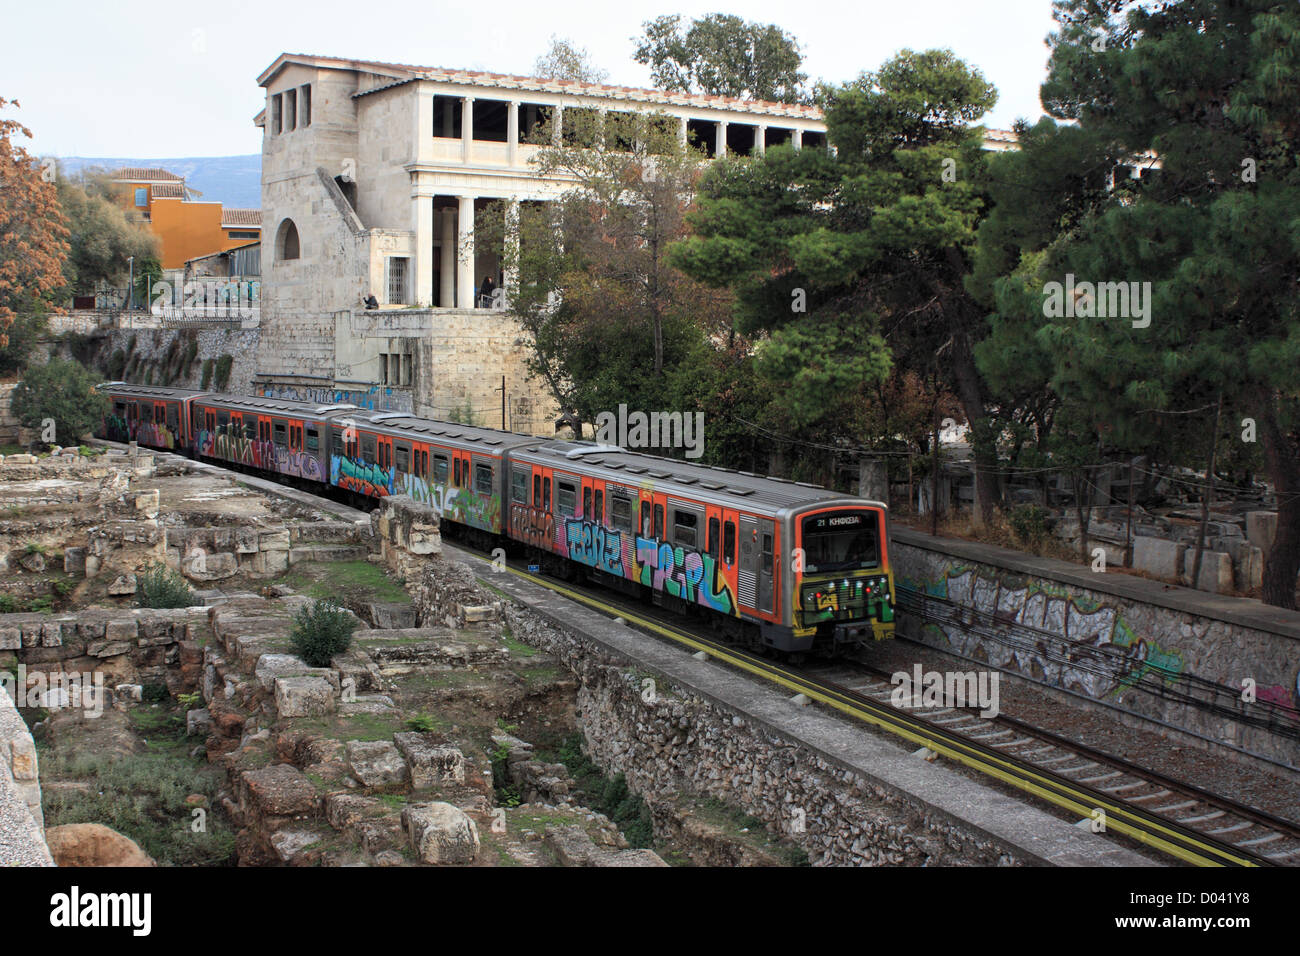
{"x": 160, "y": 202}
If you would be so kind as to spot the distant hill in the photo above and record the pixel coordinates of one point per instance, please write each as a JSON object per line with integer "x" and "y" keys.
{"x": 233, "y": 181}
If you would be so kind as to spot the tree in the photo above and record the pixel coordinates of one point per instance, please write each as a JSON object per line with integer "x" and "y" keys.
{"x": 565, "y": 61}
{"x": 1212, "y": 89}
{"x": 610, "y": 319}
{"x": 723, "y": 55}
{"x": 101, "y": 239}
{"x": 33, "y": 234}
{"x": 62, "y": 393}
{"x": 852, "y": 264}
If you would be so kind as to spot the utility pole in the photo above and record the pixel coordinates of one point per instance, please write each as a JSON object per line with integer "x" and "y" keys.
{"x": 130, "y": 284}
{"x": 502, "y": 390}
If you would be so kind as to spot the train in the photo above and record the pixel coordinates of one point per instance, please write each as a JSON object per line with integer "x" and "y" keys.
{"x": 773, "y": 564}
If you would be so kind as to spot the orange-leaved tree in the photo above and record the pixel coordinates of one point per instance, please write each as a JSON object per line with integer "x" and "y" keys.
{"x": 33, "y": 230}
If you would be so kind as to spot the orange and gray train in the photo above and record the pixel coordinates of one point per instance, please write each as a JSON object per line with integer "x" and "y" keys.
{"x": 778, "y": 564}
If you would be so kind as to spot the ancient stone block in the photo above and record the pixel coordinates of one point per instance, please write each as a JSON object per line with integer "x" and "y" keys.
{"x": 343, "y": 810}
{"x": 22, "y": 758}
{"x": 123, "y": 630}
{"x": 1261, "y": 526}
{"x": 441, "y": 833}
{"x": 210, "y": 567}
{"x": 430, "y": 762}
{"x": 304, "y": 697}
{"x": 281, "y": 790}
{"x": 1159, "y": 556}
{"x": 273, "y": 541}
{"x": 1216, "y": 571}
{"x": 107, "y": 648}
{"x": 74, "y": 560}
{"x": 122, "y": 586}
{"x": 376, "y": 763}
{"x": 198, "y": 722}
{"x": 271, "y": 666}
{"x": 11, "y": 638}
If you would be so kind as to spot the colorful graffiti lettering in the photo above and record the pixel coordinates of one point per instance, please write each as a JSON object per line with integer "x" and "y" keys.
{"x": 684, "y": 573}
{"x": 353, "y": 474}
{"x": 594, "y": 546}
{"x": 456, "y": 504}
{"x": 532, "y": 526}
{"x": 376, "y": 398}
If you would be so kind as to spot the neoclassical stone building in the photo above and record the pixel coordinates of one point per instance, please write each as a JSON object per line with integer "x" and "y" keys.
{"x": 371, "y": 176}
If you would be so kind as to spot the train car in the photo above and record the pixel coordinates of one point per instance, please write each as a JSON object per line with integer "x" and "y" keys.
{"x": 155, "y": 416}
{"x": 266, "y": 434}
{"x": 456, "y": 469}
{"x": 803, "y": 565}
{"x": 779, "y": 564}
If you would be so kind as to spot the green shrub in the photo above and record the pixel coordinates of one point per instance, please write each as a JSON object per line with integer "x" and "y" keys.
{"x": 221, "y": 378}
{"x": 420, "y": 722}
{"x": 61, "y": 392}
{"x": 158, "y": 586}
{"x": 206, "y": 379}
{"x": 1028, "y": 523}
{"x": 321, "y": 630}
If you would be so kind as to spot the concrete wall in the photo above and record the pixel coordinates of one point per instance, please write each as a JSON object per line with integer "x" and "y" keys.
{"x": 1111, "y": 637}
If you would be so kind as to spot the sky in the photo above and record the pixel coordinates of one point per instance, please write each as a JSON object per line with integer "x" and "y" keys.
{"x": 144, "y": 79}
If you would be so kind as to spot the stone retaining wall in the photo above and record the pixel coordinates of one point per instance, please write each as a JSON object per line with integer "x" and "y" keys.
{"x": 1112, "y": 637}
{"x": 676, "y": 741}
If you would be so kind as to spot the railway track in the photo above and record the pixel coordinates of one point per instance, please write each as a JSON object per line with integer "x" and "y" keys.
{"x": 1173, "y": 817}
{"x": 1251, "y": 833}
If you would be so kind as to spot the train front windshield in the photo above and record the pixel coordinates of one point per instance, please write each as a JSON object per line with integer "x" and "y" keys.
{"x": 841, "y": 541}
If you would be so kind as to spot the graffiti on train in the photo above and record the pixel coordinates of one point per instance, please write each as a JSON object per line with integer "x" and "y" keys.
{"x": 455, "y": 504}
{"x": 376, "y": 398}
{"x": 363, "y": 477}
{"x": 684, "y": 573}
{"x": 532, "y": 526}
{"x": 231, "y": 443}
{"x": 595, "y": 546}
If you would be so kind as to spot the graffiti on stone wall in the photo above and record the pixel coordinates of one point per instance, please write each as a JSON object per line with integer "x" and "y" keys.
{"x": 1055, "y": 609}
{"x": 378, "y": 398}
{"x": 684, "y": 573}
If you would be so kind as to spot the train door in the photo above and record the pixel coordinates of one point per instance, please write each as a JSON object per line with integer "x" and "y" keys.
{"x": 729, "y": 564}
{"x": 589, "y": 501}
{"x": 160, "y": 422}
{"x": 384, "y": 453}
{"x": 766, "y": 563}
{"x": 747, "y": 576}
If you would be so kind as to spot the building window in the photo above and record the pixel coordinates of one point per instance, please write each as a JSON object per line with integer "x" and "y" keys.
{"x": 304, "y": 100}
{"x": 275, "y": 115}
{"x": 447, "y": 112}
{"x": 291, "y": 110}
{"x": 397, "y": 280}
{"x": 142, "y": 196}
{"x": 243, "y": 235}
{"x": 286, "y": 240}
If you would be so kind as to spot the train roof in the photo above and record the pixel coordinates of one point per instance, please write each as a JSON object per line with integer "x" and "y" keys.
{"x": 147, "y": 391}
{"x": 724, "y": 485}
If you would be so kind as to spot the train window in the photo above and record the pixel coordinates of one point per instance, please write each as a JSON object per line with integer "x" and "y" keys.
{"x": 223, "y": 419}
{"x": 368, "y": 447}
{"x": 537, "y": 491}
{"x": 119, "y": 409}
{"x": 546, "y": 493}
{"x": 440, "y": 469}
{"x": 456, "y": 470}
{"x": 598, "y": 513}
{"x": 645, "y": 519}
{"x": 173, "y": 418}
{"x": 684, "y": 525}
{"x": 713, "y": 538}
{"x": 336, "y": 443}
{"x": 767, "y": 553}
{"x": 586, "y": 502}
{"x": 313, "y": 439}
{"x": 279, "y": 429}
{"x": 483, "y": 480}
{"x": 566, "y": 498}
{"x": 518, "y": 487}
{"x": 620, "y": 512}
{"x": 729, "y": 542}
{"x": 659, "y": 521}
{"x": 403, "y": 458}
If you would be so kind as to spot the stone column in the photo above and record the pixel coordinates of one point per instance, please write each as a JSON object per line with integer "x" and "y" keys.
{"x": 557, "y": 124}
{"x": 720, "y": 140}
{"x": 760, "y": 141}
{"x": 422, "y": 214}
{"x": 465, "y": 254}
{"x": 510, "y": 282}
{"x": 796, "y": 137}
{"x": 466, "y": 127}
{"x": 681, "y": 130}
{"x": 447, "y": 263}
{"x": 512, "y": 133}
